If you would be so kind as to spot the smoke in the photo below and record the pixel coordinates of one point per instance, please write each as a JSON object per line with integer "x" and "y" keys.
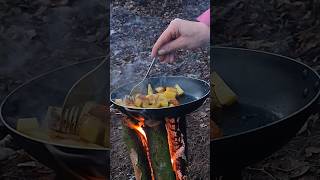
{"x": 128, "y": 72}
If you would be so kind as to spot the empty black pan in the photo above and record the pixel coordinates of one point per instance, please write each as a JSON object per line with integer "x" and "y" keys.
{"x": 276, "y": 96}
{"x": 195, "y": 93}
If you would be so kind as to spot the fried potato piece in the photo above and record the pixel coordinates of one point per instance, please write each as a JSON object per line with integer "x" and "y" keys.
{"x": 150, "y": 90}
{"x": 145, "y": 102}
{"x": 224, "y": 94}
{"x": 138, "y": 100}
{"x": 179, "y": 90}
{"x": 119, "y": 102}
{"x": 160, "y": 89}
{"x": 27, "y": 124}
{"x": 172, "y": 89}
{"x": 174, "y": 101}
{"x": 163, "y": 101}
{"x": 170, "y": 94}
{"x": 92, "y": 129}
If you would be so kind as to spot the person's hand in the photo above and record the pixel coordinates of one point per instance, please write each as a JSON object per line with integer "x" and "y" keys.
{"x": 180, "y": 34}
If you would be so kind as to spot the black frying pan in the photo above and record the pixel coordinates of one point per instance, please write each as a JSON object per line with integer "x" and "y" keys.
{"x": 276, "y": 96}
{"x": 32, "y": 100}
{"x": 196, "y": 92}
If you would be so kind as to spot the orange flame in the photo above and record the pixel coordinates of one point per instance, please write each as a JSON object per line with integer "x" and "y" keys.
{"x": 143, "y": 137}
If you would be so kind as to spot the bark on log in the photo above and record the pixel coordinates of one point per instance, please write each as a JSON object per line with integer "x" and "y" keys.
{"x": 159, "y": 151}
{"x": 137, "y": 154}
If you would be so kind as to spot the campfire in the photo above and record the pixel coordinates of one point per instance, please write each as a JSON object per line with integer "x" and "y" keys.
{"x": 157, "y": 148}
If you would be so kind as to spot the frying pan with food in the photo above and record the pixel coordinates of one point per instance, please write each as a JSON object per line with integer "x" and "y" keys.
{"x": 276, "y": 95}
{"x": 195, "y": 93}
{"x": 32, "y": 99}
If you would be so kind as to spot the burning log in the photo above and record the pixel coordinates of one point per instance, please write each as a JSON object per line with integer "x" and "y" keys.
{"x": 159, "y": 151}
{"x": 177, "y": 146}
{"x": 157, "y": 148}
{"x": 138, "y": 156}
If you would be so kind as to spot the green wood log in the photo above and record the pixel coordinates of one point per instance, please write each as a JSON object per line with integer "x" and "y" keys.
{"x": 159, "y": 151}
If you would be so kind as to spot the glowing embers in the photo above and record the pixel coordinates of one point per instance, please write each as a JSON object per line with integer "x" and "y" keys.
{"x": 177, "y": 147}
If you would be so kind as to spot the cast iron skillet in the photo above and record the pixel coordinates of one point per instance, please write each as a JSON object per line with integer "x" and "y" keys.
{"x": 196, "y": 92}
{"x": 276, "y": 96}
{"x": 32, "y": 100}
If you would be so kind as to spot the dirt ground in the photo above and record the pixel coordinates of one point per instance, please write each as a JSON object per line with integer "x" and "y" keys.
{"x": 134, "y": 28}
{"x": 289, "y": 28}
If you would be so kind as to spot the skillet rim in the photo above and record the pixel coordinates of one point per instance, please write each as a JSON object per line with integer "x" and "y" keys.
{"x": 315, "y": 98}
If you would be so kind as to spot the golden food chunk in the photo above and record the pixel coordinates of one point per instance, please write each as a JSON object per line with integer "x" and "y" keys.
{"x": 152, "y": 98}
{"x": 172, "y": 89}
{"x": 155, "y": 105}
{"x": 128, "y": 101}
{"x": 179, "y": 90}
{"x": 175, "y": 102}
{"x": 225, "y": 96}
{"x": 27, "y": 124}
{"x": 118, "y": 101}
{"x": 160, "y": 89}
{"x": 163, "y": 101}
{"x": 150, "y": 90}
{"x": 138, "y": 101}
{"x": 145, "y": 103}
{"x": 170, "y": 94}
{"x": 92, "y": 129}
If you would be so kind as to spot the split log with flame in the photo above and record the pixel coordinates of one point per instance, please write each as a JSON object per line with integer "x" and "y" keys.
{"x": 153, "y": 149}
{"x": 137, "y": 154}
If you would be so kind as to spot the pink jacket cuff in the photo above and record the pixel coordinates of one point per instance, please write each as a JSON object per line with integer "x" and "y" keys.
{"x": 205, "y": 17}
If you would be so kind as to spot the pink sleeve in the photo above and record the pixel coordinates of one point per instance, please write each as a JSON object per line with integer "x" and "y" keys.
{"x": 205, "y": 17}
